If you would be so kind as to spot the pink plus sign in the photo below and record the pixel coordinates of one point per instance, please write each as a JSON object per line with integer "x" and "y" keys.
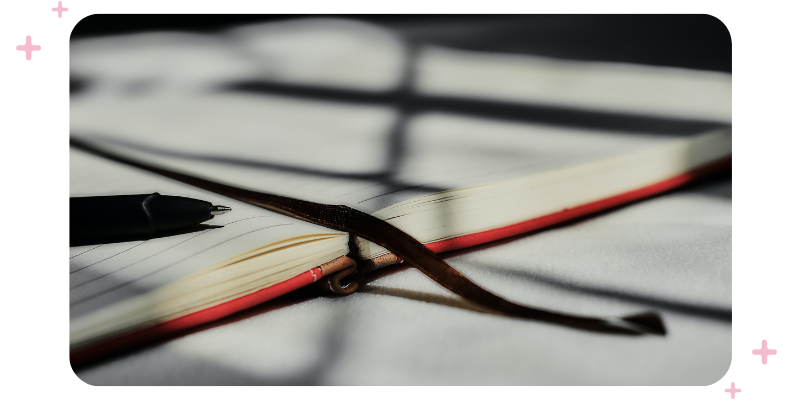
{"x": 764, "y": 352}
{"x": 733, "y": 390}
{"x": 60, "y": 9}
{"x": 28, "y": 48}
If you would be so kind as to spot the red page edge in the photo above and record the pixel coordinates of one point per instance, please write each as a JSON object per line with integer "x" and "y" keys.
{"x": 152, "y": 333}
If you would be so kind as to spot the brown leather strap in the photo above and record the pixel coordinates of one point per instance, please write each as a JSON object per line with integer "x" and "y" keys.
{"x": 357, "y": 223}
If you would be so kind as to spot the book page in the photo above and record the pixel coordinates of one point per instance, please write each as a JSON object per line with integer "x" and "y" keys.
{"x": 105, "y": 274}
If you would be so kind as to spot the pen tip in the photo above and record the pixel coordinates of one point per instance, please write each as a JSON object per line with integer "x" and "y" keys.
{"x": 219, "y": 210}
{"x": 647, "y": 323}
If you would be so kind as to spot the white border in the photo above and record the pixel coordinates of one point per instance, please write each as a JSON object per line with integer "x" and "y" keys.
{"x": 35, "y": 130}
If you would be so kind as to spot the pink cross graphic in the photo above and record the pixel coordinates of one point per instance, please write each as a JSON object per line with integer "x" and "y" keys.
{"x": 764, "y": 352}
{"x": 28, "y": 48}
{"x": 733, "y": 390}
{"x": 60, "y": 9}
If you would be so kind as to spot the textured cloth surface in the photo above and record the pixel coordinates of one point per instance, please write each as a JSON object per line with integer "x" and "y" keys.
{"x": 671, "y": 253}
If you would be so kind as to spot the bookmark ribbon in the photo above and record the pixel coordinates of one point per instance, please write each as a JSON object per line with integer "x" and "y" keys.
{"x": 403, "y": 245}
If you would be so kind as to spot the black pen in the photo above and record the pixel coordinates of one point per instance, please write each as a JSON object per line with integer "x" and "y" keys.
{"x": 103, "y": 219}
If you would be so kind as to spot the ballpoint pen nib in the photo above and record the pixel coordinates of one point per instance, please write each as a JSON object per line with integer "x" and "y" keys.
{"x": 219, "y": 210}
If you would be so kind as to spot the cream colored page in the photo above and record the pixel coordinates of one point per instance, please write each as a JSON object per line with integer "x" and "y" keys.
{"x": 109, "y": 273}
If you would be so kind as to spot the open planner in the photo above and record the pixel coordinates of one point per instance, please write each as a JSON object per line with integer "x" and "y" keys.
{"x": 450, "y": 180}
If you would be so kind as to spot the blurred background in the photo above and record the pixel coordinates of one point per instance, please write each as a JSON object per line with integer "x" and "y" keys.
{"x": 690, "y": 41}
{"x": 283, "y": 93}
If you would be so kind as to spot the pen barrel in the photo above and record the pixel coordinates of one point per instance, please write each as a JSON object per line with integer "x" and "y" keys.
{"x": 116, "y": 218}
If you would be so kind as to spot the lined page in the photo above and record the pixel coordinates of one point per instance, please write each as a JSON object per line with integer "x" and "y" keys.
{"x": 104, "y": 274}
